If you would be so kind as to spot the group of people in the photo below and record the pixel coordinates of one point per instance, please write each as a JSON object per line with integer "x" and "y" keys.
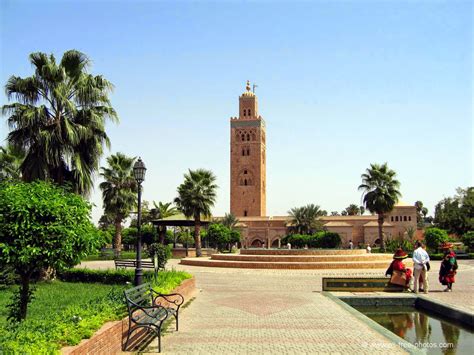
{"x": 421, "y": 266}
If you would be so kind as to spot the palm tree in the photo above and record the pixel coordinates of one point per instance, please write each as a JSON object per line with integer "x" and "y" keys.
{"x": 119, "y": 192}
{"x": 163, "y": 210}
{"x": 196, "y": 197}
{"x": 230, "y": 221}
{"x": 304, "y": 220}
{"x": 352, "y": 210}
{"x": 59, "y": 119}
{"x": 11, "y": 158}
{"x": 380, "y": 193}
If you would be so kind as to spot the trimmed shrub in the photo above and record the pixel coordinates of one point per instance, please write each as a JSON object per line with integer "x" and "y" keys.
{"x": 319, "y": 240}
{"x": 162, "y": 252}
{"x": 108, "y": 276}
{"x": 468, "y": 240}
{"x": 166, "y": 280}
{"x": 434, "y": 237}
{"x": 391, "y": 245}
{"x": 329, "y": 240}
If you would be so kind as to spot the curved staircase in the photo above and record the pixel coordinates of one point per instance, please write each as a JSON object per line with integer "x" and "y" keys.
{"x": 295, "y": 259}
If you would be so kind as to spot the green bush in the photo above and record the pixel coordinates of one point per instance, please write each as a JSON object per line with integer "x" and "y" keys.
{"x": 163, "y": 253}
{"x": 165, "y": 282}
{"x": 329, "y": 240}
{"x": 468, "y": 240}
{"x": 436, "y": 256}
{"x": 391, "y": 245}
{"x": 109, "y": 255}
{"x": 109, "y": 276}
{"x": 297, "y": 240}
{"x": 319, "y": 240}
{"x": 434, "y": 237}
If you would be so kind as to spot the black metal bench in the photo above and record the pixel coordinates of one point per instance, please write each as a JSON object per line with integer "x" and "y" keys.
{"x": 122, "y": 264}
{"x": 149, "y": 309}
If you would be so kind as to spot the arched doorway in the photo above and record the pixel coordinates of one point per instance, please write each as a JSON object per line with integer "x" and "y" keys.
{"x": 276, "y": 243}
{"x": 256, "y": 243}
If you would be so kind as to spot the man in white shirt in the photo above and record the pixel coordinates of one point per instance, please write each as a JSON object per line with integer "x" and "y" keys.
{"x": 420, "y": 259}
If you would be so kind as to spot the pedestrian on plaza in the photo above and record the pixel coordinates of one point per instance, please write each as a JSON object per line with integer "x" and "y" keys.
{"x": 369, "y": 249}
{"x": 421, "y": 261}
{"x": 420, "y": 283}
{"x": 351, "y": 245}
{"x": 398, "y": 265}
{"x": 289, "y": 246}
{"x": 448, "y": 267}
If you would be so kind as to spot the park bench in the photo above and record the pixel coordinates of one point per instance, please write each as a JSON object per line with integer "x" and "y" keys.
{"x": 360, "y": 284}
{"x": 149, "y": 309}
{"x": 133, "y": 263}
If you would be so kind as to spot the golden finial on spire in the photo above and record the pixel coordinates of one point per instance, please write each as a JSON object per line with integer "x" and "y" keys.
{"x": 248, "y": 85}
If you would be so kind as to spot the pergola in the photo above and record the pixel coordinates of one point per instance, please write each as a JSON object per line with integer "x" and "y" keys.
{"x": 179, "y": 220}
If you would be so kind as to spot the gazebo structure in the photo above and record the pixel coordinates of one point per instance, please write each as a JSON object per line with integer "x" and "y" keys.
{"x": 180, "y": 220}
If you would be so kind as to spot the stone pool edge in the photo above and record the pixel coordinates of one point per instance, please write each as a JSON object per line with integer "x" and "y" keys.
{"x": 400, "y": 342}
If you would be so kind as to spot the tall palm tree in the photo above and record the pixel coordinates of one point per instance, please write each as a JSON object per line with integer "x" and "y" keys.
{"x": 304, "y": 220}
{"x": 11, "y": 158}
{"x": 196, "y": 197}
{"x": 230, "y": 221}
{"x": 119, "y": 192}
{"x": 380, "y": 193}
{"x": 163, "y": 210}
{"x": 59, "y": 119}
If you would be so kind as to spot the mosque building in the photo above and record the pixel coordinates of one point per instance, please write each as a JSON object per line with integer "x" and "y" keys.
{"x": 248, "y": 190}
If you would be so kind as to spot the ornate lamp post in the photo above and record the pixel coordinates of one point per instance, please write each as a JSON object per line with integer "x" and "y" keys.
{"x": 139, "y": 170}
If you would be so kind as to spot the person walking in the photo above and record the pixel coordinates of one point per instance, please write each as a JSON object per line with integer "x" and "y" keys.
{"x": 420, "y": 268}
{"x": 448, "y": 267}
{"x": 351, "y": 245}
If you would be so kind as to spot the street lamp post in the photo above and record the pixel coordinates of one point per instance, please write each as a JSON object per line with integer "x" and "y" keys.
{"x": 139, "y": 170}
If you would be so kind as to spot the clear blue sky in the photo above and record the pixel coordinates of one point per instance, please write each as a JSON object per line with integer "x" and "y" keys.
{"x": 341, "y": 85}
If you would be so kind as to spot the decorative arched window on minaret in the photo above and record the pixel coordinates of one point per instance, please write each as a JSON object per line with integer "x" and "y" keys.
{"x": 248, "y": 175}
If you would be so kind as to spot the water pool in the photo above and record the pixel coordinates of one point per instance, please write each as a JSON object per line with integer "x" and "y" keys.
{"x": 427, "y": 331}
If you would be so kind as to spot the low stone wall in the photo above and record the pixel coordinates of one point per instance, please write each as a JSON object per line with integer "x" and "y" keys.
{"x": 181, "y": 252}
{"x": 110, "y": 337}
{"x": 262, "y": 251}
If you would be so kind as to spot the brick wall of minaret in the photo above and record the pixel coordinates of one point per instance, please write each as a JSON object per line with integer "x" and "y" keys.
{"x": 247, "y": 159}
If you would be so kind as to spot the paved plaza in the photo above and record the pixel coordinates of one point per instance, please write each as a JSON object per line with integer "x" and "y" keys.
{"x": 283, "y": 311}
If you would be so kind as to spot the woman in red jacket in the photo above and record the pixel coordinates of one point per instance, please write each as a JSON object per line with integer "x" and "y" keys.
{"x": 398, "y": 265}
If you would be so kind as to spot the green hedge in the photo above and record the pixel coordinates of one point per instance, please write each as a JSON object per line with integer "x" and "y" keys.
{"x": 108, "y": 276}
{"x": 109, "y": 255}
{"x": 167, "y": 280}
{"x": 319, "y": 240}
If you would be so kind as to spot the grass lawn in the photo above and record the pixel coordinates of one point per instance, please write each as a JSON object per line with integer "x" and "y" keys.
{"x": 53, "y": 297}
{"x": 64, "y": 313}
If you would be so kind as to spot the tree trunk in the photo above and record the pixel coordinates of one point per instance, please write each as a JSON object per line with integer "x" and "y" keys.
{"x": 162, "y": 234}
{"x": 25, "y": 296}
{"x": 118, "y": 237}
{"x": 197, "y": 235}
{"x": 380, "y": 221}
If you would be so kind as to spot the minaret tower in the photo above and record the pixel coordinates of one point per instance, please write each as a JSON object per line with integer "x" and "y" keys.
{"x": 247, "y": 159}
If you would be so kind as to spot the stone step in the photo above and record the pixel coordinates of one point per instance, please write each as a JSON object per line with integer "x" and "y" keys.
{"x": 285, "y": 265}
{"x": 262, "y": 251}
{"x": 303, "y": 258}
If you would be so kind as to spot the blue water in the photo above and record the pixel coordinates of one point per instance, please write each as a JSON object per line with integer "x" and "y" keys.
{"x": 428, "y": 332}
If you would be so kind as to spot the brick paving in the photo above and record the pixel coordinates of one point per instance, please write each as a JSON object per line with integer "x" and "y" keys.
{"x": 282, "y": 311}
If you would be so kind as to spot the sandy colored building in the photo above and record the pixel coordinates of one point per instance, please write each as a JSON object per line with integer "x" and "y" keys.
{"x": 248, "y": 191}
